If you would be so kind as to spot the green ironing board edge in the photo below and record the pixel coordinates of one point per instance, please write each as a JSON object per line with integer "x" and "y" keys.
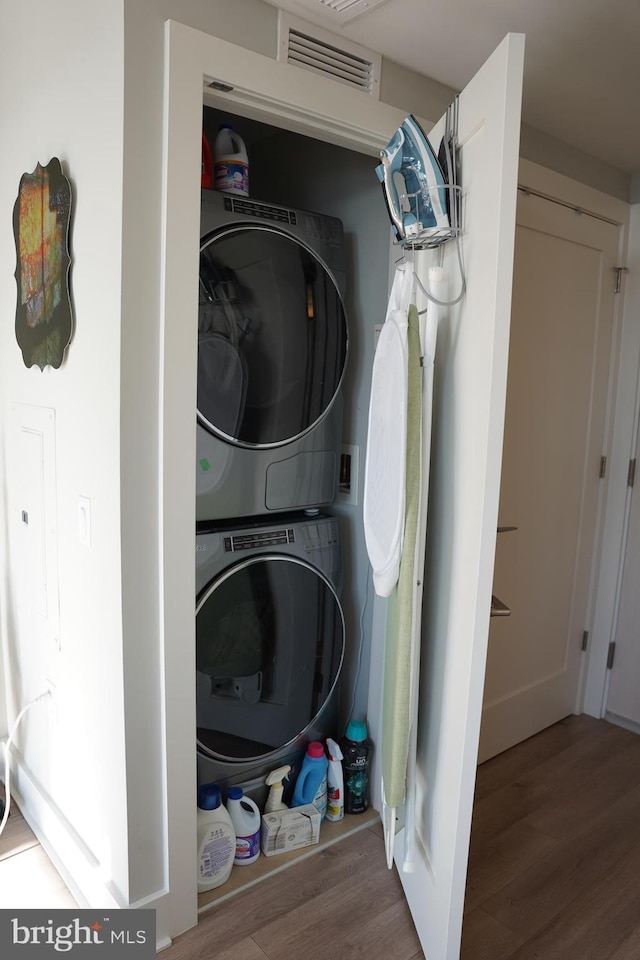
{"x": 396, "y": 702}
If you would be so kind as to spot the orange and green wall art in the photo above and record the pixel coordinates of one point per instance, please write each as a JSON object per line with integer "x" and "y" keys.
{"x": 41, "y": 218}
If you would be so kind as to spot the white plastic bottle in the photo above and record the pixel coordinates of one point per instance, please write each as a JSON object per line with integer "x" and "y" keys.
{"x": 230, "y": 162}
{"x": 246, "y": 820}
{"x": 216, "y": 839}
{"x": 335, "y": 782}
{"x": 274, "y": 782}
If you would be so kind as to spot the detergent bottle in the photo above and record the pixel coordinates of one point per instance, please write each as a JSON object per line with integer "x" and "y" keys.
{"x": 356, "y": 750}
{"x": 230, "y": 162}
{"x": 311, "y": 785}
{"x": 274, "y": 781}
{"x": 216, "y": 839}
{"x": 245, "y": 818}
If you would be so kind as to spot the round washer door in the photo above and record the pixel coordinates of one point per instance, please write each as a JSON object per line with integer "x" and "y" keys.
{"x": 272, "y": 337}
{"x": 269, "y": 649}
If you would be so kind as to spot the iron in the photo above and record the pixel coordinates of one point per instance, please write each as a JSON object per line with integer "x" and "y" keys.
{"x": 422, "y": 208}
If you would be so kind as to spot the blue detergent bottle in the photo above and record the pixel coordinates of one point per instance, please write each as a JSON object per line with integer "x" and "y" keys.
{"x": 311, "y": 785}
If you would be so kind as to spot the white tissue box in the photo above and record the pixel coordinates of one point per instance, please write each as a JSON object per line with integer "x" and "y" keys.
{"x": 285, "y": 830}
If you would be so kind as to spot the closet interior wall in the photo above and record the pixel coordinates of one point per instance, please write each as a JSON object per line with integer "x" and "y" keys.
{"x": 293, "y": 170}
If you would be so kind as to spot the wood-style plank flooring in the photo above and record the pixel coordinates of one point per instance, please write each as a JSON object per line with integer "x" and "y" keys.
{"x": 554, "y": 870}
{"x": 554, "y": 865}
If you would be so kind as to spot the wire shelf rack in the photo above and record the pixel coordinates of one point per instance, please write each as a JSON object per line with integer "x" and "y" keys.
{"x": 419, "y": 237}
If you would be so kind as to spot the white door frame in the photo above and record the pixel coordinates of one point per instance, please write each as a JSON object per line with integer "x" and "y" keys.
{"x": 297, "y": 100}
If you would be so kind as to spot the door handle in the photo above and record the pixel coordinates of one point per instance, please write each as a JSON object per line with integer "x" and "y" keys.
{"x": 498, "y": 608}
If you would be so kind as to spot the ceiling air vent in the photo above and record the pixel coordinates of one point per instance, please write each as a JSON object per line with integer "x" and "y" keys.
{"x": 342, "y": 11}
{"x": 305, "y": 45}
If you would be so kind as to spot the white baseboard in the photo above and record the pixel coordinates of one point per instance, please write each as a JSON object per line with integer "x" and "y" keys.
{"x": 632, "y": 725}
{"x": 73, "y": 860}
{"x": 70, "y": 855}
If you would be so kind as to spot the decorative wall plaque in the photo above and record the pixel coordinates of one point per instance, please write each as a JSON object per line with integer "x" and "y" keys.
{"x": 41, "y": 218}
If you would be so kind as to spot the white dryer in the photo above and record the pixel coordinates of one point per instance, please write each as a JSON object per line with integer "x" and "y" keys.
{"x": 269, "y": 645}
{"x": 272, "y": 349}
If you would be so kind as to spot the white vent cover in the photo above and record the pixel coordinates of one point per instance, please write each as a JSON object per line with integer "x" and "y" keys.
{"x": 344, "y": 10}
{"x": 312, "y": 48}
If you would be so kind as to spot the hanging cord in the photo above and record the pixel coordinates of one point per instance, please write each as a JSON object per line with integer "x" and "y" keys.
{"x": 445, "y": 303}
{"x": 7, "y": 765}
{"x": 360, "y": 646}
{"x": 429, "y": 296}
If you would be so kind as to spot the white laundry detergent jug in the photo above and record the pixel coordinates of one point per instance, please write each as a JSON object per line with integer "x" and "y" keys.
{"x": 230, "y": 162}
{"x": 246, "y": 820}
{"x": 216, "y": 839}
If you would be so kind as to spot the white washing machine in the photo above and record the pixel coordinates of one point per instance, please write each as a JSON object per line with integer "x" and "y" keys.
{"x": 272, "y": 349}
{"x": 270, "y": 642}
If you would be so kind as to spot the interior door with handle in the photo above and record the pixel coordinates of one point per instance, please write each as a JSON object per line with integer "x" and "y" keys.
{"x": 562, "y": 335}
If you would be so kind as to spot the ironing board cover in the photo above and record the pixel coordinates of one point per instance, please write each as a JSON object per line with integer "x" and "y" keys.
{"x": 404, "y": 610}
{"x": 384, "y": 477}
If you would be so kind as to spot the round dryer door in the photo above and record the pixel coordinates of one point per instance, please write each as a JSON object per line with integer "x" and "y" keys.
{"x": 272, "y": 337}
{"x": 269, "y": 649}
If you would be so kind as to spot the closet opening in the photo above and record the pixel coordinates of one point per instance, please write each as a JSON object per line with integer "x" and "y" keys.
{"x": 331, "y": 185}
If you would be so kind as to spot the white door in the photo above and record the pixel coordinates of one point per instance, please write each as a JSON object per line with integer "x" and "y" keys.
{"x": 561, "y": 339}
{"x": 469, "y": 398}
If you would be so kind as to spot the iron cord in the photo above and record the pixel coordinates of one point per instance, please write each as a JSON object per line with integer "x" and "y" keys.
{"x": 360, "y": 646}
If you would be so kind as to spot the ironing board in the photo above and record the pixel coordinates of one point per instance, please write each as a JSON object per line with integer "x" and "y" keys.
{"x": 406, "y": 556}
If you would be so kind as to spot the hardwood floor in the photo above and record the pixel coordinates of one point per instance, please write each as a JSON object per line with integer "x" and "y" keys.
{"x": 341, "y": 902}
{"x": 554, "y": 870}
{"x": 554, "y": 864}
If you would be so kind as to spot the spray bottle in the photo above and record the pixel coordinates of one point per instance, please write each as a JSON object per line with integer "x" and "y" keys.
{"x": 335, "y": 782}
{"x": 274, "y": 781}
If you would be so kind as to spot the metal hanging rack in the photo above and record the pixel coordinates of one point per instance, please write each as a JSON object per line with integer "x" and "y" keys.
{"x": 429, "y": 240}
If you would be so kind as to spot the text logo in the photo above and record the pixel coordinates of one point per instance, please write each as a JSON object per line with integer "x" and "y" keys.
{"x": 37, "y": 934}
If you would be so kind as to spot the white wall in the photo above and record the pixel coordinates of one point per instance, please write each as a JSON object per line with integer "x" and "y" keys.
{"x": 61, "y": 90}
{"x": 553, "y": 153}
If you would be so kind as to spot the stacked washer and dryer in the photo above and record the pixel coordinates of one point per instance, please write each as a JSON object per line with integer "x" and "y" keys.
{"x": 272, "y": 347}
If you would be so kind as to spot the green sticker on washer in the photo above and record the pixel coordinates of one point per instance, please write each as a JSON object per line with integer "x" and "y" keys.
{"x": 204, "y": 463}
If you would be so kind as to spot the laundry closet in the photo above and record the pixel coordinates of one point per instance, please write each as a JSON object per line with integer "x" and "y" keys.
{"x": 468, "y": 414}
{"x": 284, "y": 606}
